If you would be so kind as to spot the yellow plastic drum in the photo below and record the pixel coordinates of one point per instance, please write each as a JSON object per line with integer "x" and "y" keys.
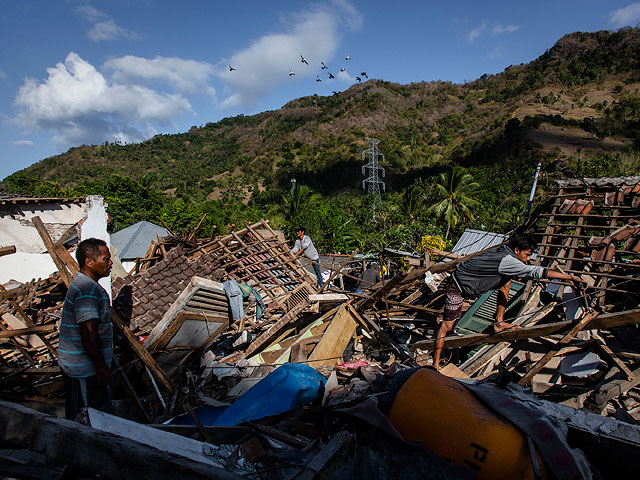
{"x": 448, "y": 419}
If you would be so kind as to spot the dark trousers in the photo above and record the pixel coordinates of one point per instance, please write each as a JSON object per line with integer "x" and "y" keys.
{"x": 316, "y": 268}
{"x": 85, "y": 392}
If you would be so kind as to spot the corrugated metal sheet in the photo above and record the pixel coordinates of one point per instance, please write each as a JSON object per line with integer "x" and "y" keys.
{"x": 481, "y": 316}
{"x": 473, "y": 241}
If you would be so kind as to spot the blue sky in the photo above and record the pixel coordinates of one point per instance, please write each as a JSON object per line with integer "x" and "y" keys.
{"x": 77, "y": 72}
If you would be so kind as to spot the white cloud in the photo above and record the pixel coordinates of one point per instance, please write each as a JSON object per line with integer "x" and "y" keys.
{"x": 185, "y": 76}
{"x": 485, "y": 28}
{"x": 109, "y": 30}
{"x": 3, "y": 75}
{"x": 104, "y": 27}
{"x": 498, "y": 29}
{"x": 627, "y": 16}
{"x": 90, "y": 13}
{"x": 82, "y": 106}
{"x": 24, "y": 143}
{"x": 264, "y": 65}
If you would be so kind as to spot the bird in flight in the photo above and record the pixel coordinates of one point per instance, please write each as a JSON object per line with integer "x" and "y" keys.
{"x": 342, "y": 69}
{"x": 291, "y": 74}
{"x": 335, "y": 94}
{"x": 324, "y": 67}
{"x": 331, "y": 76}
{"x": 364, "y": 74}
{"x": 303, "y": 60}
{"x": 318, "y": 79}
{"x": 347, "y": 56}
{"x": 358, "y": 79}
{"x": 231, "y": 69}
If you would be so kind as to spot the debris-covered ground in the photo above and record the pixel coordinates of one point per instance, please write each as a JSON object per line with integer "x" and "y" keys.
{"x": 232, "y": 363}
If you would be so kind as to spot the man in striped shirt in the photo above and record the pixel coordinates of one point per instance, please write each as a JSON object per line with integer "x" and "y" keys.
{"x": 86, "y": 333}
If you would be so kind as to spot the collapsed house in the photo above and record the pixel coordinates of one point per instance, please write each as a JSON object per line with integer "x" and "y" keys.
{"x": 229, "y": 341}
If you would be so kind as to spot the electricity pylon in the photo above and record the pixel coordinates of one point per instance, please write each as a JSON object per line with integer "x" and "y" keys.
{"x": 372, "y": 182}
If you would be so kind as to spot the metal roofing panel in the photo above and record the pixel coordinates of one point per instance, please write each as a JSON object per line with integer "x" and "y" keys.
{"x": 473, "y": 241}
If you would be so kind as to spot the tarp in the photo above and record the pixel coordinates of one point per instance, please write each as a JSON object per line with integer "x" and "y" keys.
{"x": 290, "y": 386}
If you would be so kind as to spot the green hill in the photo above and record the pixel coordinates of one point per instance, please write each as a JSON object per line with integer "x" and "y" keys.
{"x": 577, "y": 105}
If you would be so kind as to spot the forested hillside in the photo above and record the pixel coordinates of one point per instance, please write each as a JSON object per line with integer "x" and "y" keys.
{"x": 577, "y": 107}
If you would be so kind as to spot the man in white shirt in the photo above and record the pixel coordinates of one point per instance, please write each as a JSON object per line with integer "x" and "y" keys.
{"x": 305, "y": 245}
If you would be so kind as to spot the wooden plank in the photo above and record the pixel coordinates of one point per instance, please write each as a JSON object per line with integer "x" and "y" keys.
{"x": 7, "y": 250}
{"x": 13, "y": 293}
{"x": 316, "y": 327}
{"x": 489, "y": 353}
{"x": 602, "y": 321}
{"x": 293, "y": 440}
{"x": 30, "y": 371}
{"x": 616, "y": 387}
{"x": 31, "y": 341}
{"x": 606, "y": 352}
{"x": 18, "y": 332}
{"x": 329, "y": 350}
{"x": 314, "y": 468}
{"x": 528, "y": 377}
{"x": 112, "y": 456}
{"x": 273, "y": 330}
{"x": 65, "y": 257}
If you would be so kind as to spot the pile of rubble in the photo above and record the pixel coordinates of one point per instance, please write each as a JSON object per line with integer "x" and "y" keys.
{"x": 229, "y": 342}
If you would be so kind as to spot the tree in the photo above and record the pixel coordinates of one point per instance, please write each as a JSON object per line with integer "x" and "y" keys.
{"x": 412, "y": 200}
{"x": 453, "y": 191}
{"x": 299, "y": 200}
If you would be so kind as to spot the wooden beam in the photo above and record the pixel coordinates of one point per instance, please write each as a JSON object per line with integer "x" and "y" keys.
{"x": 13, "y": 293}
{"x": 46, "y": 239}
{"x": 30, "y": 371}
{"x": 612, "y": 389}
{"x": 18, "y": 332}
{"x": 602, "y": 321}
{"x": 7, "y": 250}
{"x": 489, "y": 353}
{"x": 140, "y": 351}
{"x": 313, "y": 469}
{"x": 578, "y": 327}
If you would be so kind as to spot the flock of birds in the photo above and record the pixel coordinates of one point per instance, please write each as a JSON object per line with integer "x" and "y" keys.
{"x": 323, "y": 67}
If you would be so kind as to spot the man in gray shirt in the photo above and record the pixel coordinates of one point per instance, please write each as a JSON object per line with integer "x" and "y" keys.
{"x": 491, "y": 270}
{"x": 305, "y": 245}
{"x": 86, "y": 334}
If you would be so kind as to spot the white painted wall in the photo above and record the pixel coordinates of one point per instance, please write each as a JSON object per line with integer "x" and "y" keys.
{"x": 24, "y": 267}
{"x": 95, "y": 226}
{"x": 17, "y": 229}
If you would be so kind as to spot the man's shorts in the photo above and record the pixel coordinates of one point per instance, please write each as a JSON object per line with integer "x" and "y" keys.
{"x": 453, "y": 302}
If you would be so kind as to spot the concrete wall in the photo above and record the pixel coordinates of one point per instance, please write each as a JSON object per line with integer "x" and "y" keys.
{"x": 31, "y": 259}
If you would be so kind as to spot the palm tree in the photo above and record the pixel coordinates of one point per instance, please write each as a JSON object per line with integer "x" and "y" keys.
{"x": 453, "y": 190}
{"x": 298, "y": 200}
{"x": 412, "y": 200}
